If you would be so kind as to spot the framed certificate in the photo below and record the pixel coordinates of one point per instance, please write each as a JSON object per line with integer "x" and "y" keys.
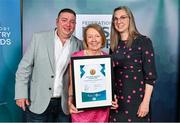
{"x": 92, "y": 81}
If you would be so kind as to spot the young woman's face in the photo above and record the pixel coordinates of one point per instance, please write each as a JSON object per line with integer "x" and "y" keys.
{"x": 121, "y": 21}
{"x": 94, "y": 39}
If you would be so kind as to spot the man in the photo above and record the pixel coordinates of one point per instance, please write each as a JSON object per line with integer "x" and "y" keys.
{"x": 41, "y": 87}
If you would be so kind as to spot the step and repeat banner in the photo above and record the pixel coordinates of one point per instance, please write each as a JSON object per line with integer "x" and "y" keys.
{"x": 158, "y": 19}
{"x": 10, "y": 55}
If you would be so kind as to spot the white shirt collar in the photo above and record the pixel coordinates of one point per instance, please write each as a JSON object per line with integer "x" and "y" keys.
{"x": 58, "y": 39}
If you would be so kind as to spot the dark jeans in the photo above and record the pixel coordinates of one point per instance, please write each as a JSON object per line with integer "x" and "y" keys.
{"x": 53, "y": 113}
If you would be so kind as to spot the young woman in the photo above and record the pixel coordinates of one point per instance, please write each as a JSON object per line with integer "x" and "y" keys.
{"x": 134, "y": 68}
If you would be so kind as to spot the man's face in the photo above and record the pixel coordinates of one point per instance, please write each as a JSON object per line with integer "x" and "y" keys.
{"x": 65, "y": 23}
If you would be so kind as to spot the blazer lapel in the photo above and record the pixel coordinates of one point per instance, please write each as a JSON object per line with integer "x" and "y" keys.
{"x": 73, "y": 44}
{"x": 50, "y": 50}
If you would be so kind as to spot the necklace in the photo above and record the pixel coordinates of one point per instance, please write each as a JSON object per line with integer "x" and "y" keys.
{"x": 91, "y": 54}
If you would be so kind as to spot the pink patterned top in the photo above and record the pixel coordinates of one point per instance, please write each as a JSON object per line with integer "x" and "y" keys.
{"x": 91, "y": 115}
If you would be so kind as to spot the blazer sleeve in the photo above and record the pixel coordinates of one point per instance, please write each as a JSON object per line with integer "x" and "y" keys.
{"x": 80, "y": 44}
{"x": 24, "y": 71}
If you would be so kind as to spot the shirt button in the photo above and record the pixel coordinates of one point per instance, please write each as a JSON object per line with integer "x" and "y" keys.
{"x": 49, "y": 88}
{"x": 52, "y": 76}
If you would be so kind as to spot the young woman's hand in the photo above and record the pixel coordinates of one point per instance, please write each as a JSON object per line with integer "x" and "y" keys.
{"x": 143, "y": 109}
{"x": 115, "y": 103}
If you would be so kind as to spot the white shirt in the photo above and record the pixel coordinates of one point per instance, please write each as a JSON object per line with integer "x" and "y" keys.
{"x": 62, "y": 56}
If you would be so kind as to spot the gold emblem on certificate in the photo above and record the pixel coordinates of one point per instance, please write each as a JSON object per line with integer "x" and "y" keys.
{"x": 92, "y": 71}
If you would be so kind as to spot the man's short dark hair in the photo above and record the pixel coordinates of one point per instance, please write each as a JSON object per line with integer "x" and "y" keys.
{"x": 67, "y": 10}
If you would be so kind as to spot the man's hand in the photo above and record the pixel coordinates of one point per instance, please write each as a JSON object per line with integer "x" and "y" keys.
{"x": 22, "y": 103}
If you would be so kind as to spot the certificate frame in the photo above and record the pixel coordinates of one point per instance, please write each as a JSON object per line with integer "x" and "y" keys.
{"x": 92, "y": 81}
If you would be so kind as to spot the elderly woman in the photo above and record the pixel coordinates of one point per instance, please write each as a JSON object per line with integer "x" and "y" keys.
{"x": 94, "y": 40}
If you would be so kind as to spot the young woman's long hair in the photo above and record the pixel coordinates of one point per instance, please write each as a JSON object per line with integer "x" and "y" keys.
{"x": 115, "y": 35}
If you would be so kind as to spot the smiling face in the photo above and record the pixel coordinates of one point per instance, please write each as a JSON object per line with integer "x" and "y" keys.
{"x": 121, "y": 21}
{"x": 94, "y": 39}
{"x": 65, "y": 25}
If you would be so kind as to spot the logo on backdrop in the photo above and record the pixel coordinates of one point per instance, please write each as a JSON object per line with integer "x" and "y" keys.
{"x": 5, "y": 34}
{"x": 104, "y": 20}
